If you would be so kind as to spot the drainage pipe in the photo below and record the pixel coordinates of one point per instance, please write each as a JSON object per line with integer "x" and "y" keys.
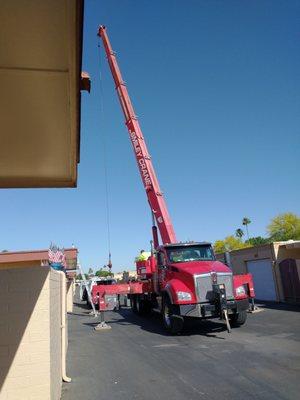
{"x": 63, "y": 287}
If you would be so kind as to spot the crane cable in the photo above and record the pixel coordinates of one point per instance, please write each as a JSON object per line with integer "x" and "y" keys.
{"x": 104, "y": 161}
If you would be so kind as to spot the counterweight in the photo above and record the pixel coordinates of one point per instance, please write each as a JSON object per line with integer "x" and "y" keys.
{"x": 150, "y": 182}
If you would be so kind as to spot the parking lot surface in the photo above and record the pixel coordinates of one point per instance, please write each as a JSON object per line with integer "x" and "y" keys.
{"x": 136, "y": 359}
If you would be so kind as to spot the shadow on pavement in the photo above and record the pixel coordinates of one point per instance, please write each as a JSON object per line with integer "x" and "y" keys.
{"x": 82, "y": 305}
{"x": 83, "y": 314}
{"x": 85, "y": 309}
{"x": 153, "y": 324}
{"x": 277, "y": 306}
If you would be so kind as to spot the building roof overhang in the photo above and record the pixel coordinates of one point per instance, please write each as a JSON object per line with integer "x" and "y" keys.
{"x": 7, "y": 257}
{"x": 40, "y": 77}
{"x": 291, "y": 244}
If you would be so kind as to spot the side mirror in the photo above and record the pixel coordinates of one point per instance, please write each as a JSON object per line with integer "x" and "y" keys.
{"x": 162, "y": 262}
{"x": 163, "y": 266}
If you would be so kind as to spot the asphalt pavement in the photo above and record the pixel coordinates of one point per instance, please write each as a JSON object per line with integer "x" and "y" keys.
{"x": 136, "y": 359}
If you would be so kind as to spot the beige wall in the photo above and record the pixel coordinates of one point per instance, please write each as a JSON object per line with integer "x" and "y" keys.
{"x": 276, "y": 252}
{"x": 55, "y": 334}
{"x": 240, "y": 257}
{"x": 30, "y": 334}
{"x": 21, "y": 264}
{"x": 119, "y": 275}
{"x": 282, "y": 253}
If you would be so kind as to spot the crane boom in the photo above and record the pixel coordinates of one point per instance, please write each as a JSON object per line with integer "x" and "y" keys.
{"x": 149, "y": 179}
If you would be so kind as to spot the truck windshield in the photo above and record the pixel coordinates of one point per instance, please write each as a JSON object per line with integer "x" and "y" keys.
{"x": 190, "y": 253}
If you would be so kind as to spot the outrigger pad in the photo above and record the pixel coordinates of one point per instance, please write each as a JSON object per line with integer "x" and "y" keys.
{"x": 255, "y": 310}
{"x": 102, "y": 327}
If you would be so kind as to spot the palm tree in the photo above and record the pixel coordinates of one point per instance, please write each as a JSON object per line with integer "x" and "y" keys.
{"x": 246, "y": 222}
{"x": 239, "y": 233}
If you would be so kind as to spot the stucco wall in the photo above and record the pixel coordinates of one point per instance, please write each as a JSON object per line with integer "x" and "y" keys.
{"x": 282, "y": 253}
{"x": 276, "y": 252}
{"x": 55, "y": 334}
{"x": 239, "y": 258}
{"x": 19, "y": 265}
{"x": 29, "y": 334}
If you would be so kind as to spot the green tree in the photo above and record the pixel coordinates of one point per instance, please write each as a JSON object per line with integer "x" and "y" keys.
{"x": 239, "y": 233}
{"x": 79, "y": 277}
{"x": 103, "y": 274}
{"x": 257, "y": 240}
{"x": 125, "y": 276}
{"x": 228, "y": 244}
{"x": 246, "y": 221}
{"x": 90, "y": 271}
{"x": 284, "y": 226}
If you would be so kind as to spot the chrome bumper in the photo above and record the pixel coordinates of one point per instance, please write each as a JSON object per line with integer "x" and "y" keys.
{"x": 207, "y": 310}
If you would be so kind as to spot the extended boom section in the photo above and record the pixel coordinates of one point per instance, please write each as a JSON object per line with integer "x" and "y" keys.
{"x": 151, "y": 185}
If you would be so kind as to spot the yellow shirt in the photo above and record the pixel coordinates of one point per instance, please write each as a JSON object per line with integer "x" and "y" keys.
{"x": 143, "y": 256}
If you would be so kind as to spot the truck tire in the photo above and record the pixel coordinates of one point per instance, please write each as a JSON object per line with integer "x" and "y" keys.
{"x": 133, "y": 303}
{"x": 238, "y": 319}
{"x": 173, "y": 322}
{"x": 88, "y": 304}
{"x": 84, "y": 295}
{"x": 143, "y": 307}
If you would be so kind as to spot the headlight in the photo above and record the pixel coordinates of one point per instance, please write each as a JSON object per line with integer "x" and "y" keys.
{"x": 184, "y": 296}
{"x": 240, "y": 291}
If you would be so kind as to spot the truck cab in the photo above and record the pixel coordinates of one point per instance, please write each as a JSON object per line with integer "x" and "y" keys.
{"x": 189, "y": 282}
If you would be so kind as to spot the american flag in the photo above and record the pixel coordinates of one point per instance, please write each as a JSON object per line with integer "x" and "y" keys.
{"x": 57, "y": 255}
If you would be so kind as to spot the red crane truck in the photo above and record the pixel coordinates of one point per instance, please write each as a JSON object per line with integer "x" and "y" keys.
{"x": 179, "y": 279}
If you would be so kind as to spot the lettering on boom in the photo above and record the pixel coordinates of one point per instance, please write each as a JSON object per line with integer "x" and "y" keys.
{"x": 135, "y": 142}
{"x": 144, "y": 171}
{"x": 141, "y": 161}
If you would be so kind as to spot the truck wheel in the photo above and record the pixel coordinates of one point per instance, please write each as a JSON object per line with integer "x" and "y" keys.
{"x": 238, "y": 319}
{"x": 133, "y": 303}
{"x": 173, "y": 323}
{"x": 143, "y": 307}
{"x": 84, "y": 295}
{"x": 88, "y": 303}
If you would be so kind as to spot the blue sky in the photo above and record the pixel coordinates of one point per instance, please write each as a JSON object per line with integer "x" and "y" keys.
{"x": 216, "y": 87}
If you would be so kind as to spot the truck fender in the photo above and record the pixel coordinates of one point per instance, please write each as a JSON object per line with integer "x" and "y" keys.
{"x": 245, "y": 280}
{"x": 175, "y": 285}
{"x": 167, "y": 292}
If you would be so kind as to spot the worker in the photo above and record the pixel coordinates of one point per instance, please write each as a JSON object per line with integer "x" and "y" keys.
{"x": 176, "y": 256}
{"x": 191, "y": 255}
{"x": 143, "y": 256}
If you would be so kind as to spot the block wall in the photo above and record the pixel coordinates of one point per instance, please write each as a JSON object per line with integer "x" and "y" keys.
{"x": 30, "y": 334}
{"x": 55, "y": 334}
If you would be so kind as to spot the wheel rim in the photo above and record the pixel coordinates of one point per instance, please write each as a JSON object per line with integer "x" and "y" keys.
{"x": 167, "y": 316}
